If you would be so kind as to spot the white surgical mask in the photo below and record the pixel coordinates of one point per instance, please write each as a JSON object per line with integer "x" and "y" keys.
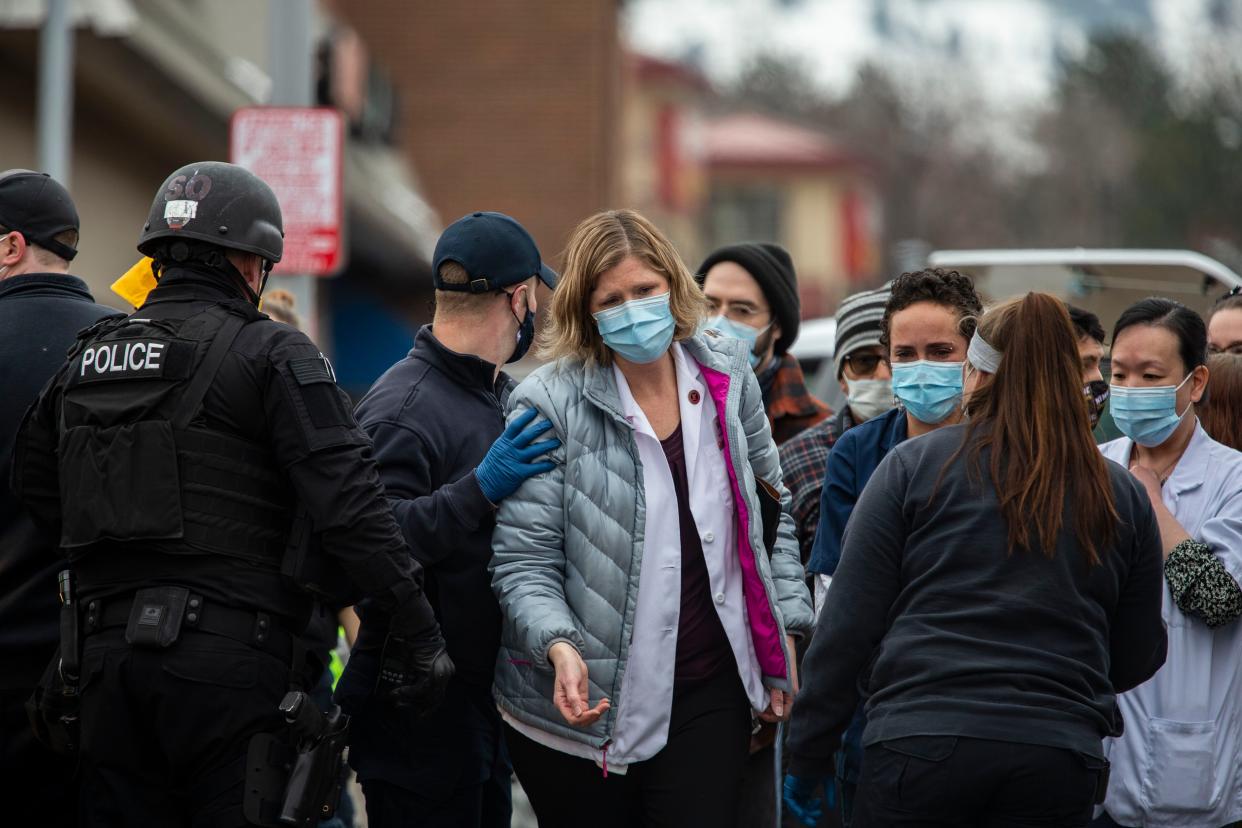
{"x": 869, "y": 397}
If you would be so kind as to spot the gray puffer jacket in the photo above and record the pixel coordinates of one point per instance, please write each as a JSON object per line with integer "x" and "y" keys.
{"x": 568, "y": 544}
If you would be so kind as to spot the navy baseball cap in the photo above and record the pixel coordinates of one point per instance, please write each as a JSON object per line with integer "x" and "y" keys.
{"x": 494, "y": 249}
{"x": 37, "y": 206}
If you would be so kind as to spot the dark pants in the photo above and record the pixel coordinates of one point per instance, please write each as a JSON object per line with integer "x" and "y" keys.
{"x": 165, "y": 732}
{"x": 1105, "y": 821}
{"x": 43, "y": 786}
{"x": 694, "y": 780}
{"x": 486, "y": 805}
{"x": 757, "y": 801}
{"x": 448, "y": 767}
{"x": 933, "y": 781}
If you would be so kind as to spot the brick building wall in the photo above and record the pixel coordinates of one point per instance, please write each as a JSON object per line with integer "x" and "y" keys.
{"x": 509, "y": 105}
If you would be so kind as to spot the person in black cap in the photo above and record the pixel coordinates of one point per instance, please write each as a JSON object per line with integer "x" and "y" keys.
{"x": 446, "y": 459}
{"x": 199, "y": 464}
{"x": 752, "y": 291}
{"x": 42, "y": 308}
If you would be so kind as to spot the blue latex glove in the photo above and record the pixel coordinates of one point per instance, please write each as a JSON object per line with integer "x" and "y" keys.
{"x": 803, "y": 801}
{"x": 508, "y": 462}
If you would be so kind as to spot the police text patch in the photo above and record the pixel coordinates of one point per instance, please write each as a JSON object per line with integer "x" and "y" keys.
{"x": 124, "y": 359}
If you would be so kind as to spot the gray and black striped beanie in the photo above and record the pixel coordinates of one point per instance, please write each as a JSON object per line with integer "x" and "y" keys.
{"x": 858, "y": 322}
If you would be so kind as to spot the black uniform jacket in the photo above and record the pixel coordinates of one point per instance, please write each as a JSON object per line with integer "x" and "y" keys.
{"x": 40, "y": 316}
{"x": 323, "y": 457}
{"x": 433, "y": 416}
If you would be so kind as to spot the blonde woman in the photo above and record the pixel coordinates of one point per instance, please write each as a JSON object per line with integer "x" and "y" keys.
{"x": 647, "y": 615}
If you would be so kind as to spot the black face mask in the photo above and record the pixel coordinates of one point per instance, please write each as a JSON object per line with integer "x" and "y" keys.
{"x": 1096, "y": 393}
{"x": 525, "y": 334}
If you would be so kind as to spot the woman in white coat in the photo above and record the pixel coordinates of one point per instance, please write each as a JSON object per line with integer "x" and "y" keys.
{"x": 1177, "y": 763}
{"x": 650, "y": 582}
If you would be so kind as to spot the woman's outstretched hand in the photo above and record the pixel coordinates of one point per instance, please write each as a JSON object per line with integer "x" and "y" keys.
{"x": 570, "y": 693}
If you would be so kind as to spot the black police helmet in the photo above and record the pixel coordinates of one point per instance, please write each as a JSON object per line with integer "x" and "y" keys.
{"x": 218, "y": 203}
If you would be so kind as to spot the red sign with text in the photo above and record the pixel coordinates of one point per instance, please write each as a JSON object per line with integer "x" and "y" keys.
{"x": 298, "y": 151}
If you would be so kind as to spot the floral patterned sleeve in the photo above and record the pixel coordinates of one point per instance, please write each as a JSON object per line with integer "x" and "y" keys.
{"x": 1201, "y": 585}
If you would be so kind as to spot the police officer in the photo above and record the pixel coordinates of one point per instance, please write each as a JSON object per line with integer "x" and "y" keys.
{"x": 177, "y": 454}
{"x": 42, "y": 307}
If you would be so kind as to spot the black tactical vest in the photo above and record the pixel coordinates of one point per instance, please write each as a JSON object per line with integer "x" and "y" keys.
{"x": 134, "y": 468}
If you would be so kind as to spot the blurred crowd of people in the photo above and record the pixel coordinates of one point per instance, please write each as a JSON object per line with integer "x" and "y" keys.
{"x": 657, "y": 579}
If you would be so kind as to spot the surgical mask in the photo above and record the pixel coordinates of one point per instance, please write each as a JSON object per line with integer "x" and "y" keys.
{"x": 1148, "y": 416}
{"x": 739, "y": 330}
{"x": 929, "y": 390}
{"x": 869, "y": 397}
{"x": 639, "y": 330}
{"x": 525, "y": 334}
{"x": 1096, "y": 393}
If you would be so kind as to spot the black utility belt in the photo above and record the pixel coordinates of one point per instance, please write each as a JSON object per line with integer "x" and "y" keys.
{"x": 155, "y": 617}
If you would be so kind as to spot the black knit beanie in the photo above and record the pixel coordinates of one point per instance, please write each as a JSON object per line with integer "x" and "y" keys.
{"x": 770, "y": 266}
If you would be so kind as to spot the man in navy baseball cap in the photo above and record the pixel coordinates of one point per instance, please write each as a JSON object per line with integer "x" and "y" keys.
{"x": 494, "y": 249}
{"x": 37, "y": 206}
{"x": 42, "y": 307}
{"x": 436, "y": 420}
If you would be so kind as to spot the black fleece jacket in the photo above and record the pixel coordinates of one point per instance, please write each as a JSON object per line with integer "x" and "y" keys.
{"x": 432, "y": 418}
{"x": 40, "y": 316}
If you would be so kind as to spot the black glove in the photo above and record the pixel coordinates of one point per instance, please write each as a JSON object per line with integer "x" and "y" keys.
{"x": 414, "y": 672}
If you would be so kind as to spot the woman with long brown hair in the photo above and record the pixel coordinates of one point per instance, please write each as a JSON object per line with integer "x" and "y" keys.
{"x": 999, "y": 583}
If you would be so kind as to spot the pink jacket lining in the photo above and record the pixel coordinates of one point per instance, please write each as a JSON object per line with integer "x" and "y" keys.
{"x": 764, "y": 631}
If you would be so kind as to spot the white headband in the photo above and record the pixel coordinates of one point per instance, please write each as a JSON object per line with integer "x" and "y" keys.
{"x": 982, "y": 355}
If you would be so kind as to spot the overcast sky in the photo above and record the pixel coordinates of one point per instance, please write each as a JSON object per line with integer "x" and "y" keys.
{"x": 1010, "y": 45}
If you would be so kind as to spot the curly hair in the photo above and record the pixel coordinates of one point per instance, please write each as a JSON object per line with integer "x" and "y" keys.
{"x": 944, "y": 287}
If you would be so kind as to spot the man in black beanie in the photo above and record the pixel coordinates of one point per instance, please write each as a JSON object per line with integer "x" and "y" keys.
{"x": 753, "y": 294}
{"x": 752, "y": 291}
{"x": 42, "y": 308}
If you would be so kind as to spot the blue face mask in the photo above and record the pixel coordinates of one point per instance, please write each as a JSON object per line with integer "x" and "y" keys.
{"x": 738, "y": 330}
{"x": 929, "y": 390}
{"x": 1148, "y": 416}
{"x": 639, "y": 330}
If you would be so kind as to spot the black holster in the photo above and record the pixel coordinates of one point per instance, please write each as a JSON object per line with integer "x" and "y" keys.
{"x": 53, "y": 707}
{"x": 53, "y": 711}
{"x": 297, "y": 780}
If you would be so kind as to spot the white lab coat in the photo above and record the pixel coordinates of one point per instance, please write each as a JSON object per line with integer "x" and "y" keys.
{"x": 1178, "y": 763}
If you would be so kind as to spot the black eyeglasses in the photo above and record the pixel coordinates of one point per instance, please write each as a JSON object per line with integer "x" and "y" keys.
{"x": 864, "y": 363}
